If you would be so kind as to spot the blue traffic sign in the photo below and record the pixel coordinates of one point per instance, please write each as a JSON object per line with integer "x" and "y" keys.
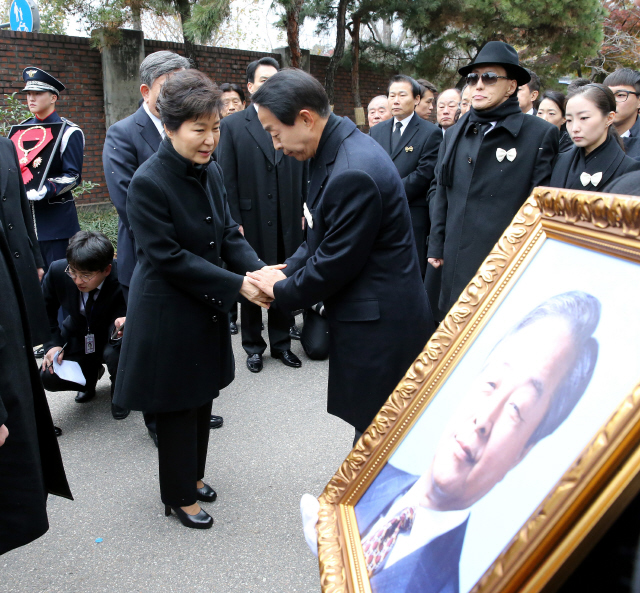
{"x": 21, "y": 16}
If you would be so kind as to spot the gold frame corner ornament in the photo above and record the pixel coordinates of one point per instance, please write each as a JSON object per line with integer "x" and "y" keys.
{"x": 605, "y": 223}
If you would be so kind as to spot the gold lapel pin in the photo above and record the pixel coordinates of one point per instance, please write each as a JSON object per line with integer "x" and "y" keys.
{"x": 408, "y": 148}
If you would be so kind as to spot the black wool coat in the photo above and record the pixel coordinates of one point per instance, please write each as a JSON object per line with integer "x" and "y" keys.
{"x": 129, "y": 143}
{"x": 60, "y": 291}
{"x": 468, "y": 217}
{"x": 360, "y": 260}
{"x": 608, "y": 159}
{"x": 632, "y": 141}
{"x": 30, "y": 461}
{"x": 15, "y": 215}
{"x": 258, "y": 178}
{"x": 176, "y": 349}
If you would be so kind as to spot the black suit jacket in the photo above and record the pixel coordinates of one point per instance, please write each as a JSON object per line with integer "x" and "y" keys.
{"x": 176, "y": 350}
{"x": 30, "y": 462}
{"x": 129, "y": 143}
{"x": 468, "y": 217}
{"x": 433, "y": 568}
{"x": 359, "y": 259}
{"x": 632, "y": 142}
{"x": 60, "y": 291}
{"x": 417, "y": 165}
{"x": 15, "y": 214}
{"x": 258, "y": 178}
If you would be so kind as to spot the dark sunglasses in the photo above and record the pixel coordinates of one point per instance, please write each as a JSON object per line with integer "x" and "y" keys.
{"x": 488, "y": 78}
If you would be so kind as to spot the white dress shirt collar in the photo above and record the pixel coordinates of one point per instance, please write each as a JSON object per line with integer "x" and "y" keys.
{"x": 404, "y": 122}
{"x": 155, "y": 119}
{"x": 626, "y": 134}
{"x": 531, "y": 111}
{"x": 84, "y": 297}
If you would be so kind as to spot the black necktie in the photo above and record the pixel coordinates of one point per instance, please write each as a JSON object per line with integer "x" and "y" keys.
{"x": 88, "y": 306}
{"x": 395, "y": 137}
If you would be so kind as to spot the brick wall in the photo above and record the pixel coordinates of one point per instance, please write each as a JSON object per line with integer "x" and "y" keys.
{"x": 79, "y": 67}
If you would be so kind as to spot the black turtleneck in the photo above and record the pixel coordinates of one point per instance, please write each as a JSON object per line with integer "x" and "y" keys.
{"x": 186, "y": 167}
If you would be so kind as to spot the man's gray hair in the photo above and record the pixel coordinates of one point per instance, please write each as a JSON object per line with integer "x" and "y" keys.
{"x": 377, "y": 97}
{"x": 160, "y": 63}
{"x": 582, "y": 312}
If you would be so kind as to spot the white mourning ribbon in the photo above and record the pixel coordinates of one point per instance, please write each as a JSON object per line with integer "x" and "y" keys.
{"x": 585, "y": 178}
{"x": 501, "y": 153}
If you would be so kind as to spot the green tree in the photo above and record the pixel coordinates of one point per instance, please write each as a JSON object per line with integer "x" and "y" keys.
{"x": 200, "y": 19}
{"x": 550, "y": 35}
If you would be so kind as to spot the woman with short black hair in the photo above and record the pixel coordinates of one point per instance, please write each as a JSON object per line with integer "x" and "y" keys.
{"x": 597, "y": 157}
{"x": 552, "y": 109}
{"x": 176, "y": 351}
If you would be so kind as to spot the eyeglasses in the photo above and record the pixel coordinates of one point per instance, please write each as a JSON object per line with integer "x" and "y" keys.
{"x": 622, "y": 96}
{"x": 488, "y": 78}
{"x": 69, "y": 271}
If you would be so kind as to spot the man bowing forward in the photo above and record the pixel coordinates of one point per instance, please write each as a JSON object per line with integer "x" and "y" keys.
{"x": 359, "y": 257}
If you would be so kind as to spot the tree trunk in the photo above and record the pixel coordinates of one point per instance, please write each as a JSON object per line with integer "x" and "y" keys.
{"x": 338, "y": 52}
{"x": 136, "y": 16}
{"x": 184, "y": 10}
{"x": 293, "y": 32}
{"x": 355, "y": 66}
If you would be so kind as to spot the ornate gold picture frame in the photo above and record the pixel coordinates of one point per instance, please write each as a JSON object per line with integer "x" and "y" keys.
{"x": 560, "y": 242}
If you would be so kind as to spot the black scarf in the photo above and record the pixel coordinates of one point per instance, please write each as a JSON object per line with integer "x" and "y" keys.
{"x": 498, "y": 113}
{"x": 598, "y": 160}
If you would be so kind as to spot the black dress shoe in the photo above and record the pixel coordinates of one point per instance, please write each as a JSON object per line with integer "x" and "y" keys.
{"x": 85, "y": 396}
{"x": 233, "y": 328}
{"x": 207, "y": 493}
{"x": 294, "y": 333}
{"x": 154, "y": 437}
{"x": 254, "y": 363}
{"x": 202, "y": 520}
{"x": 288, "y": 358}
{"x": 215, "y": 422}
{"x": 119, "y": 413}
{"x": 57, "y": 430}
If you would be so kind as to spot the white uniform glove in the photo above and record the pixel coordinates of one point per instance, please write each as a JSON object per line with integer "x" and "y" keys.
{"x": 309, "y": 509}
{"x": 34, "y": 195}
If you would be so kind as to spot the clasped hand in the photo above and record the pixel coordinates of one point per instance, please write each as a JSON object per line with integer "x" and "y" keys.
{"x": 265, "y": 278}
{"x": 251, "y": 286}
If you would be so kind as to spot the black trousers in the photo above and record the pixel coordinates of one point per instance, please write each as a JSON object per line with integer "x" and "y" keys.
{"x": 53, "y": 251}
{"x": 183, "y": 439}
{"x": 90, "y": 365}
{"x": 278, "y": 326}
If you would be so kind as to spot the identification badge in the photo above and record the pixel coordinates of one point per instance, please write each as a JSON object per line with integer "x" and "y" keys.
{"x": 89, "y": 344}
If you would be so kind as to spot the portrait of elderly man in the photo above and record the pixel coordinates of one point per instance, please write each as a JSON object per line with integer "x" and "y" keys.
{"x": 413, "y": 527}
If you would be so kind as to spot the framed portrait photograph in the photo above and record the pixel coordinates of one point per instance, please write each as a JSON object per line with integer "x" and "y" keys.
{"x": 514, "y": 436}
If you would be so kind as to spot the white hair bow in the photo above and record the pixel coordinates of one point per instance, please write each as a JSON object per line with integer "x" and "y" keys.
{"x": 501, "y": 153}
{"x": 585, "y": 178}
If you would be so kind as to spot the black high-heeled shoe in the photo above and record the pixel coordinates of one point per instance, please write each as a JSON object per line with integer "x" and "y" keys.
{"x": 206, "y": 493}
{"x": 200, "y": 521}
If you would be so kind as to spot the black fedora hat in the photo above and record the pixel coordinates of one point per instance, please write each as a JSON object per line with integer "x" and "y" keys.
{"x": 501, "y": 54}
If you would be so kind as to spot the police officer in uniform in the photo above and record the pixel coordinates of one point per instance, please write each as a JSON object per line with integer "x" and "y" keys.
{"x": 54, "y": 209}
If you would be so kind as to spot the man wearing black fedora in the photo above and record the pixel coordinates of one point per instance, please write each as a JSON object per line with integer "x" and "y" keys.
{"x": 488, "y": 164}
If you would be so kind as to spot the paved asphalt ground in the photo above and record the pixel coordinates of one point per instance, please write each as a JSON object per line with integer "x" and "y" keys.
{"x": 277, "y": 443}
